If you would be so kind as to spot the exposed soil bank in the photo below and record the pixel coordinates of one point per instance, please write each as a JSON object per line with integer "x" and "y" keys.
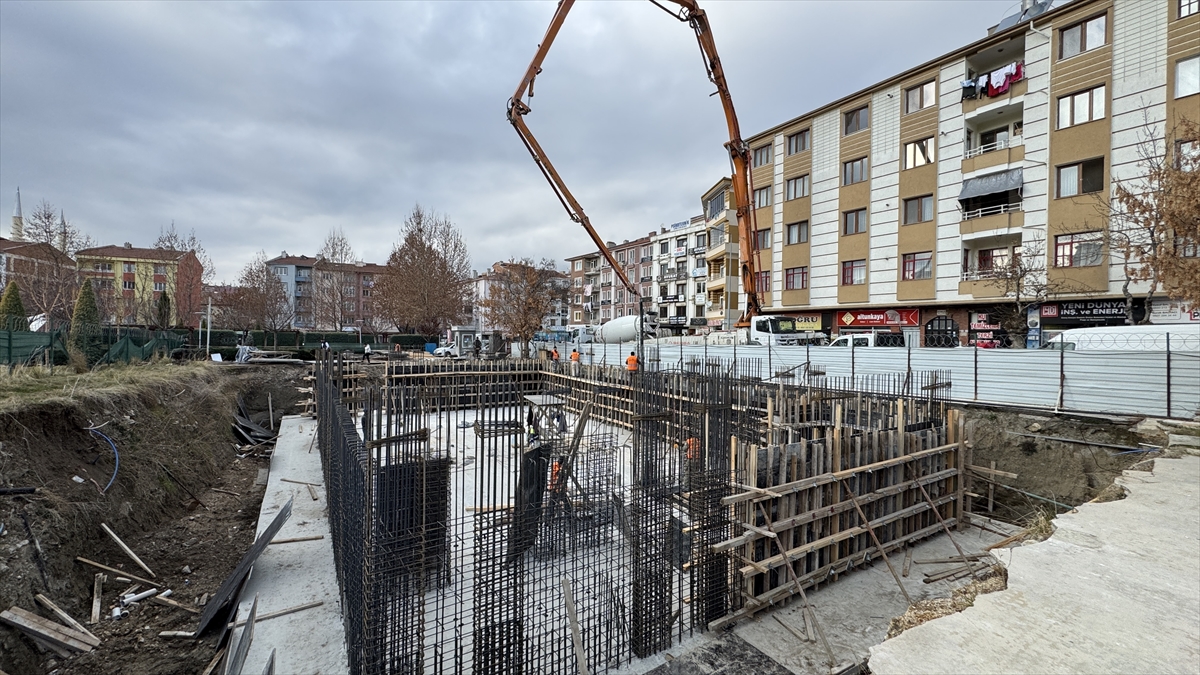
{"x": 172, "y": 432}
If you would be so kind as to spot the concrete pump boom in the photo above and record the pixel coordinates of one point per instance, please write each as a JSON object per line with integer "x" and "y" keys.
{"x": 739, "y": 152}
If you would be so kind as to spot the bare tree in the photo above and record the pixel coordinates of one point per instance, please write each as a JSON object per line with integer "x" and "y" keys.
{"x": 519, "y": 296}
{"x": 426, "y": 285}
{"x": 171, "y": 239}
{"x": 261, "y": 298}
{"x": 1154, "y": 219}
{"x": 188, "y": 277}
{"x": 48, "y": 278}
{"x": 333, "y": 286}
{"x": 1025, "y": 283}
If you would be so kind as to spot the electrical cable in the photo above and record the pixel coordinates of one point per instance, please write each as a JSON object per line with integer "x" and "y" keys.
{"x": 116, "y": 457}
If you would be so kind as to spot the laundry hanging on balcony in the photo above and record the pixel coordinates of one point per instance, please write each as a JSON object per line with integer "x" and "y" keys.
{"x": 994, "y": 83}
{"x": 992, "y": 184}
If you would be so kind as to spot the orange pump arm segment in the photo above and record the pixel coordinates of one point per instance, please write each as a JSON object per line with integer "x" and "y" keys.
{"x": 739, "y": 153}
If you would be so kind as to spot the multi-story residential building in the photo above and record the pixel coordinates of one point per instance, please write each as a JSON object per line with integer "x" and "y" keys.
{"x": 555, "y": 321}
{"x": 344, "y": 295}
{"x": 46, "y": 276}
{"x": 296, "y": 274}
{"x": 597, "y": 294}
{"x": 901, "y": 204}
{"x": 681, "y": 275}
{"x": 129, "y": 280}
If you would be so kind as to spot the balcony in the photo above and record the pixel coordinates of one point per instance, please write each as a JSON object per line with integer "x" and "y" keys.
{"x": 987, "y": 219}
{"x": 604, "y": 284}
{"x": 1008, "y": 151}
{"x": 1016, "y": 89}
{"x": 721, "y": 250}
{"x": 646, "y": 279}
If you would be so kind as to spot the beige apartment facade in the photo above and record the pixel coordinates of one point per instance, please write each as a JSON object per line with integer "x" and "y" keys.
{"x": 899, "y": 206}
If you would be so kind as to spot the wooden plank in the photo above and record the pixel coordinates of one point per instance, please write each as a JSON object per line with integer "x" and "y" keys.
{"x": 97, "y": 592}
{"x": 992, "y": 471}
{"x": 299, "y": 482}
{"x": 295, "y": 539}
{"x": 168, "y": 602}
{"x": 52, "y": 633}
{"x": 907, "y": 561}
{"x": 569, "y": 602}
{"x": 66, "y": 618}
{"x": 128, "y": 551}
{"x": 282, "y": 612}
{"x": 115, "y": 571}
{"x": 212, "y": 665}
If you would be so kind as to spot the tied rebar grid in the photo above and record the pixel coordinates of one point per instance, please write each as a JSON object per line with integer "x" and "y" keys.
{"x": 459, "y": 529}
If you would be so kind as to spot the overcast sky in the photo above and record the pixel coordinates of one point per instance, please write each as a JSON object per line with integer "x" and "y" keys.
{"x": 264, "y": 125}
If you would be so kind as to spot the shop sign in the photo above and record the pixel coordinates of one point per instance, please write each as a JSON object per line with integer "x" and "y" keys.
{"x": 879, "y": 317}
{"x": 1085, "y": 311}
{"x": 716, "y": 323}
{"x": 807, "y": 321}
{"x": 1167, "y": 311}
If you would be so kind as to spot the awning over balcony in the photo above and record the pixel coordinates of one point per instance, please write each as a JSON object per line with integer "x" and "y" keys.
{"x": 992, "y": 184}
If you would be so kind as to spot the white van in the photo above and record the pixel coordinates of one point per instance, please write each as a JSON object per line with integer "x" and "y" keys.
{"x": 872, "y": 339}
{"x": 1152, "y": 338}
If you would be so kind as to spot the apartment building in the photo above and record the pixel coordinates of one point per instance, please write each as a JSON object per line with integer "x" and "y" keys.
{"x": 597, "y": 294}
{"x": 681, "y": 275}
{"x": 900, "y": 205}
{"x": 129, "y": 281}
{"x": 344, "y": 295}
{"x": 295, "y": 272}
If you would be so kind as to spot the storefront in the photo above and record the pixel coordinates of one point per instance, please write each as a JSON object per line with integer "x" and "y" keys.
{"x": 1082, "y": 313}
{"x": 907, "y": 321}
{"x": 984, "y": 330}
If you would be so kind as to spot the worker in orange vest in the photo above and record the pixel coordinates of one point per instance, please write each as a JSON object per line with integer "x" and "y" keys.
{"x": 554, "y": 354}
{"x": 631, "y": 362}
{"x": 575, "y": 355}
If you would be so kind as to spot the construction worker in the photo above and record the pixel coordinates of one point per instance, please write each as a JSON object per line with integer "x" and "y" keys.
{"x": 575, "y": 355}
{"x": 631, "y": 362}
{"x": 554, "y": 354}
{"x": 367, "y": 352}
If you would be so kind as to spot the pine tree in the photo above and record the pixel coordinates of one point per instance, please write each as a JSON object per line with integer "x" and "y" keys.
{"x": 85, "y": 321}
{"x": 12, "y": 311}
{"x": 162, "y": 311}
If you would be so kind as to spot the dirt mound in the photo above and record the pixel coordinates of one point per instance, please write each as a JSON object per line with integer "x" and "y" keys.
{"x": 171, "y": 428}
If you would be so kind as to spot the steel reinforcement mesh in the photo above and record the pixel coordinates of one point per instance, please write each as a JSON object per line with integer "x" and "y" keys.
{"x": 506, "y": 517}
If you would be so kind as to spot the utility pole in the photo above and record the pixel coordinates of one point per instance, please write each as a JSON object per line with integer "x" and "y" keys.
{"x": 208, "y": 329}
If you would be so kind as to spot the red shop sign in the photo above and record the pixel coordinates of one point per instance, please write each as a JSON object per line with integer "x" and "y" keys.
{"x": 879, "y": 317}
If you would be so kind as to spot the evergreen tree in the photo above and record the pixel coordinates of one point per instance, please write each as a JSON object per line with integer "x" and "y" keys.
{"x": 85, "y": 321}
{"x": 12, "y": 312}
{"x": 162, "y": 311}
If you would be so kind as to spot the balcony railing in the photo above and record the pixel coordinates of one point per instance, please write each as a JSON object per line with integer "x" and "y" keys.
{"x": 646, "y": 279}
{"x": 647, "y": 258}
{"x": 979, "y": 275}
{"x": 991, "y": 211}
{"x": 990, "y": 147}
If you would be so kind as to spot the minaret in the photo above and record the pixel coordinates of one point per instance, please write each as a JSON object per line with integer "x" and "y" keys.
{"x": 18, "y": 221}
{"x": 62, "y": 231}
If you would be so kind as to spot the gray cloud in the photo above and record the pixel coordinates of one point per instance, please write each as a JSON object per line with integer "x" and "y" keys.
{"x": 263, "y": 125}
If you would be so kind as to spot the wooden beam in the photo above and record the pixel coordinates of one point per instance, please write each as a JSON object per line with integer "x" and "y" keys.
{"x": 66, "y": 618}
{"x": 115, "y": 571}
{"x": 97, "y": 591}
{"x": 128, "y": 551}
{"x": 52, "y": 633}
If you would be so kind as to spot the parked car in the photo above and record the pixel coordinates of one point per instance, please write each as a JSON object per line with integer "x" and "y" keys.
{"x": 446, "y": 351}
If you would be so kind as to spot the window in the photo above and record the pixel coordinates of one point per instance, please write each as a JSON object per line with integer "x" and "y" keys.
{"x": 1186, "y": 248}
{"x": 102, "y": 267}
{"x": 280, "y": 271}
{"x": 681, "y": 289}
{"x": 578, "y": 299}
{"x": 578, "y": 316}
{"x": 621, "y": 257}
{"x": 796, "y": 233}
{"x": 854, "y": 272}
{"x": 795, "y": 278}
{"x": 854, "y": 222}
{"x": 162, "y": 269}
{"x": 681, "y": 242}
{"x": 1187, "y": 155}
{"x": 716, "y": 204}
{"x": 920, "y": 97}
{"x": 103, "y": 284}
{"x": 1187, "y": 77}
{"x": 577, "y": 282}
{"x": 854, "y": 171}
{"x": 1188, "y": 7}
{"x": 1081, "y": 178}
{"x": 619, "y": 296}
{"x": 127, "y": 285}
{"x": 762, "y": 156}
{"x": 918, "y": 266}
{"x": 662, "y": 269}
{"x": 664, "y": 247}
{"x": 801, "y": 140}
{"x": 647, "y": 251}
{"x": 918, "y": 210}
{"x": 762, "y": 282}
{"x": 993, "y": 259}
{"x": 762, "y": 197}
{"x": 578, "y": 265}
{"x": 129, "y": 268}
{"x": 918, "y": 153}
{"x": 796, "y": 188}
{"x": 1077, "y": 250}
{"x": 1083, "y": 36}
{"x": 856, "y": 120}
{"x": 1084, "y": 106}
{"x": 160, "y": 286}
{"x": 762, "y": 239}
{"x": 681, "y": 268}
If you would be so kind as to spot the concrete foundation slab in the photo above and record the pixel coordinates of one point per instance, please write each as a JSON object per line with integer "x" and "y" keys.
{"x": 291, "y": 574}
{"x": 1116, "y": 589}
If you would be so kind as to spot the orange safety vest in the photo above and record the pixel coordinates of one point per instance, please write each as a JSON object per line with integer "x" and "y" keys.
{"x": 554, "y": 355}
{"x": 574, "y": 356}
{"x": 631, "y": 362}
